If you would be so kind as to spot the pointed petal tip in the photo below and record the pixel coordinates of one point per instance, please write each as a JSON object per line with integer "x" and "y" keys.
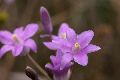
{"x": 91, "y": 31}
{"x": 35, "y": 25}
{"x": 51, "y": 45}
{"x": 30, "y": 30}
{"x": 48, "y": 66}
{"x": 64, "y": 23}
{"x": 84, "y": 64}
{"x": 98, "y": 48}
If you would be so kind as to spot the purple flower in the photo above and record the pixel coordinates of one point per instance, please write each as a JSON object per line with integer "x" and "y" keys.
{"x": 19, "y": 41}
{"x": 46, "y": 20}
{"x": 60, "y": 65}
{"x": 76, "y": 45}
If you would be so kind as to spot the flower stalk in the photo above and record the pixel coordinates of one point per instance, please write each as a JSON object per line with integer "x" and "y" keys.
{"x": 38, "y": 67}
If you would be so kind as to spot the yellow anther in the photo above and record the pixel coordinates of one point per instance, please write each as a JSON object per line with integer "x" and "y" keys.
{"x": 63, "y": 35}
{"x": 77, "y": 45}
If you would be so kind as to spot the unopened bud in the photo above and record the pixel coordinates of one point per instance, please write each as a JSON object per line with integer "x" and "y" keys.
{"x": 31, "y": 73}
{"x": 46, "y": 20}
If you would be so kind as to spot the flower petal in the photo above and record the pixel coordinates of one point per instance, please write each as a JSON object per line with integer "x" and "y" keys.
{"x": 19, "y": 31}
{"x": 63, "y": 28}
{"x": 17, "y": 50}
{"x": 81, "y": 59}
{"x": 51, "y": 45}
{"x": 91, "y": 48}
{"x": 59, "y": 54}
{"x": 5, "y": 49}
{"x": 53, "y": 59}
{"x": 55, "y": 37}
{"x": 30, "y": 43}
{"x": 5, "y": 37}
{"x": 49, "y": 66}
{"x": 66, "y": 59}
{"x": 71, "y": 35}
{"x": 63, "y": 45}
{"x": 56, "y": 59}
{"x": 85, "y": 37}
{"x": 30, "y": 30}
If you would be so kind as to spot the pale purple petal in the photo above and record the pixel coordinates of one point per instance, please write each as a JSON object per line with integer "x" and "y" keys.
{"x": 19, "y": 31}
{"x": 55, "y": 37}
{"x": 51, "y": 45}
{"x": 56, "y": 59}
{"x": 63, "y": 45}
{"x": 17, "y": 50}
{"x": 30, "y": 30}
{"x": 59, "y": 54}
{"x": 5, "y": 49}
{"x": 63, "y": 28}
{"x": 49, "y": 66}
{"x": 53, "y": 59}
{"x": 5, "y": 37}
{"x": 81, "y": 59}
{"x": 66, "y": 59}
{"x": 46, "y": 20}
{"x": 30, "y": 43}
{"x": 71, "y": 35}
{"x": 91, "y": 48}
{"x": 85, "y": 37}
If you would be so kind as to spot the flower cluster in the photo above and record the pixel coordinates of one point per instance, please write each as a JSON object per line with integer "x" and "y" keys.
{"x": 78, "y": 46}
{"x": 70, "y": 47}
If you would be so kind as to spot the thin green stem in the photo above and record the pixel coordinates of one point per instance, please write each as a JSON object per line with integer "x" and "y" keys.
{"x": 38, "y": 66}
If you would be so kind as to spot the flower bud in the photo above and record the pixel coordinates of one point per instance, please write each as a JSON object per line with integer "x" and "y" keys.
{"x": 46, "y": 20}
{"x": 31, "y": 73}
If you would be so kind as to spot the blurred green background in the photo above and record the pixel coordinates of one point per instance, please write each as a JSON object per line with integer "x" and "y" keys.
{"x": 102, "y": 16}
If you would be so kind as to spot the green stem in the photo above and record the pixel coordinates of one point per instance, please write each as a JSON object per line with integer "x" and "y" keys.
{"x": 38, "y": 66}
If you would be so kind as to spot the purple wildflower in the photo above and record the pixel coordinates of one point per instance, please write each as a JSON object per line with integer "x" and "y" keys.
{"x": 18, "y": 41}
{"x": 46, "y": 20}
{"x": 76, "y": 45}
{"x": 60, "y": 65}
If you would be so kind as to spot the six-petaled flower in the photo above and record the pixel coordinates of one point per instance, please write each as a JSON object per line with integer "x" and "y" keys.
{"x": 19, "y": 41}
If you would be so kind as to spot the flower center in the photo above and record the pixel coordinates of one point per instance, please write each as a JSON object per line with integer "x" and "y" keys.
{"x": 15, "y": 38}
{"x": 63, "y": 35}
{"x": 76, "y": 46}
